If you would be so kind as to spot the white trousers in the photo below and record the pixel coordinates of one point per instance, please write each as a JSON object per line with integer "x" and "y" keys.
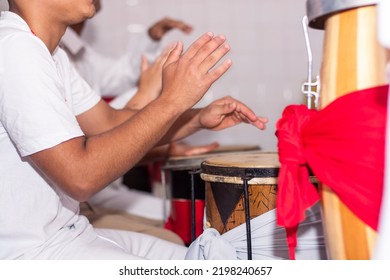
{"x": 104, "y": 244}
{"x": 119, "y": 197}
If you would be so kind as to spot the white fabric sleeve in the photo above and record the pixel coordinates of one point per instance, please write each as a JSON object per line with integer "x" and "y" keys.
{"x": 112, "y": 76}
{"x": 383, "y": 19}
{"x": 148, "y": 47}
{"x": 36, "y": 114}
{"x": 120, "y": 101}
{"x": 382, "y": 246}
{"x": 83, "y": 96}
{"x": 126, "y": 70}
{"x": 109, "y": 76}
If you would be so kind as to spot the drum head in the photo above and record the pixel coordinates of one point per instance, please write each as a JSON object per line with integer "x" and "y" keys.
{"x": 194, "y": 162}
{"x": 239, "y": 165}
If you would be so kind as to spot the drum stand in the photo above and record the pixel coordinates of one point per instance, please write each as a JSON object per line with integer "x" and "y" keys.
{"x": 194, "y": 172}
{"x": 247, "y": 211}
{"x": 193, "y": 212}
{"x": 247, "y": 217}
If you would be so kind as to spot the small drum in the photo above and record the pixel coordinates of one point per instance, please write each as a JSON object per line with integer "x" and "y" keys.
{"x": 352, "y": 60}
{"x": 225, "y": 201}
{"x": 187, "y": 190}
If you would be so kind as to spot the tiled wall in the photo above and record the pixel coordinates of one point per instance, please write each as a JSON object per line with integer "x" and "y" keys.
{"x": 268, "y": 51}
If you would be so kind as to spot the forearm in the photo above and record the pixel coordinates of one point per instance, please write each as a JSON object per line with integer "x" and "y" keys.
{"x": 156, "y": 154}
{"x": 84, "y": 166}
{"x": 139, "y": 100}
{"x": 102, "y": 118}
{"x": 187, "y": 124}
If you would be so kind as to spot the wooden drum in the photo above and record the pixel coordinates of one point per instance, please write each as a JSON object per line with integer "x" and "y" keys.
{"x": 225, "y": 205}
{"x": 187, "y": 190}
{"x": 352, "y": 60}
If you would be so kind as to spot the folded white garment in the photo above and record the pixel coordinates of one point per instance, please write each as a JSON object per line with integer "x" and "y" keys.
{"x": 268, "y": 240}
{"x": 3, "y": 5}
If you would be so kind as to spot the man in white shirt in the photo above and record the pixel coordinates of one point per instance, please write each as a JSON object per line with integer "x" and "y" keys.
{"x": 57, "y": 135}
{"x": 117, "y": 206}
{"x": 3, "y": 5}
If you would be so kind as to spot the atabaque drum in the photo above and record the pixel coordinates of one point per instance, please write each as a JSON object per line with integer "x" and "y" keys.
{"x": 224, "y": 177}
{"x": 352, "y": 60}
{"x": 187, "y": 190}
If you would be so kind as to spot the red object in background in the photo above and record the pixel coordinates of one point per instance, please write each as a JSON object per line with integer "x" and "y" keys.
{"x": 108, "y": 99}
{"x": 344, "y": 146}
{"x": 154, "y": 169}
{"x": 180, "y": 219}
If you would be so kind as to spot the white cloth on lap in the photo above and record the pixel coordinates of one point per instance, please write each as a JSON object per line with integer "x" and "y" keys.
{"x": 268, "y": 240}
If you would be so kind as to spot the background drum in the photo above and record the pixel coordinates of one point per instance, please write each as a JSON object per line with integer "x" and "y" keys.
{"x": 352, "y": 60}
{"x": 187, "y": 208}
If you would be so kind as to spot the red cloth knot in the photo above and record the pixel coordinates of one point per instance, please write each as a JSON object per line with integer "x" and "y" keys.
{"x": 295, "y": 192}
{"x": 288, "y": 131}
{"x": 344, "y": 146}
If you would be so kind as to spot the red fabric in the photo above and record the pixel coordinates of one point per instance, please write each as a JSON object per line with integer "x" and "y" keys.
{"x": 343, "y": 144}
{"x": 180, "y": 220}
{"x": 108, "y": 99}
{"x": 155, "y": 171}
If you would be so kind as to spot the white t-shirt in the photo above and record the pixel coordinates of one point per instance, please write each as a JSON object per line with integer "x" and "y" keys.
{"x": 108, "y": 76}
{"x": 40, "y": 95}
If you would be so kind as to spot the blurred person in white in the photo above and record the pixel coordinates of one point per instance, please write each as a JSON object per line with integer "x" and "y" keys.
{"x": 382, "y": 248}
{"x": 57, "y": 134}
{"x": 117, "y": 206}
{"x": 3, "y": 5}
{"x": 109, "y": 76}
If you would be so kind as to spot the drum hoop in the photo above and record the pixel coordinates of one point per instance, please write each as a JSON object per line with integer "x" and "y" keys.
{"x": 319, "y": 10}
{"x": 228, "y": 171}
{"x": 239, "y": 181}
